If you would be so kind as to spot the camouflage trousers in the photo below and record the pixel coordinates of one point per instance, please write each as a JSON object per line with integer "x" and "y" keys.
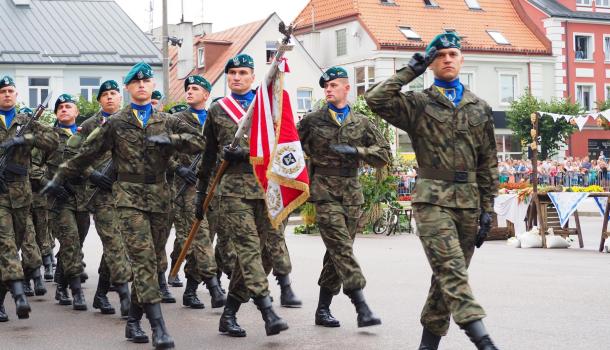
{"x": 40, "y": 218}
{"x": 275, "y": 252}
{"x": 31, "y": 257}
{"x": 64, "y": 224}
{"x": 114, "y": 266}
{"x": 144, "y": 235}
{"x": 249, "y": 226}
{"x": 13, "y": 228}
{"x": 337, "y": 225}
{"x": 224, "y": 252}
{"x": 448, "y": 237}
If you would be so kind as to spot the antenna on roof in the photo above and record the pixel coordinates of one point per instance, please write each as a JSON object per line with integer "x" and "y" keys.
{"x": 182, "y": 9}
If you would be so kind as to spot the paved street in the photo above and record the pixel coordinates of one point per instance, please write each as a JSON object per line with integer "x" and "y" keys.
{"x": 535, "y": 299}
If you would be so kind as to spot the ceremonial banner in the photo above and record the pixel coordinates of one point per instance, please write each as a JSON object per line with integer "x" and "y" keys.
{"x": 275, "y": 151}
{"x": 566, "y": 203}
{"x": 601, "y": 204}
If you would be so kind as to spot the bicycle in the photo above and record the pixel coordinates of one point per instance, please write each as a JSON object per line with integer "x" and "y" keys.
{"x": 388, "y": 222}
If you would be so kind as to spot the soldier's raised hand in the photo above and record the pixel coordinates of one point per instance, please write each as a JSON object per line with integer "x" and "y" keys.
{"x": 419, "y": 63}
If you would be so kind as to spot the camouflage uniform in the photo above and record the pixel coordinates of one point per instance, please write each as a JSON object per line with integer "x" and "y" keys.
{"x": 15, "y": 205}
{"x": 275, "y": 254}
{"x": 31, "y": 258}
{"x": 456, "y": 153}
{"x": 40, "y": 217}
{"x": 141, "y": 193}
{"x": 224, "y": 252}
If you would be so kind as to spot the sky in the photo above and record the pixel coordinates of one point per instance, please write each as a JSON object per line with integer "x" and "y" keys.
{"x": 222, "y": 14}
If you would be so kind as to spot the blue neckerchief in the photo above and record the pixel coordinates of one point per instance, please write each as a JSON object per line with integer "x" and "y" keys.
{"x": 245, "y": 99}
{"x": 71, "y": 127}
{"x": 8, "y": 116}
{"x": 201, "y": 114}
{"x": 341, "y": 113}
{"x": 453, "y": 90}
{"x": 144, "y": 112}
{"x": 106, "y": 114}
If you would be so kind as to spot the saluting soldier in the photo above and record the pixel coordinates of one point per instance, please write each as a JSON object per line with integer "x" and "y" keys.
{"x": 337, "y": 140}
{"x": 15, "y": 191}
{"x": 141, "y": 141}
{"x": 113, "y": 268}
{"x": 200, "y": 264}
{"x": 242, "y": 205}
{"x": 453, "y": 136}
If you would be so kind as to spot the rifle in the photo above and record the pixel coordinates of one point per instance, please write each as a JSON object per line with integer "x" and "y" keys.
{"x": 244, "y": 125}
{"x": 105, "y": 171}
{"x": 185, "y": 185}
{"x": 6, "y": 156}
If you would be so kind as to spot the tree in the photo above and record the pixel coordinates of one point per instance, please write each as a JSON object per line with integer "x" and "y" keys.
{"x": 552, "y": 133}
{"x": 601, "y": 121}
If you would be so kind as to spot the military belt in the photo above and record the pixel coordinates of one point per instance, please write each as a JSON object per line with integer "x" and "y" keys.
{"x": 141, "y": 179}
{"x": 239, "y": 168}
{"x": 343, "y": 172}
{"x": 447, "y": 175}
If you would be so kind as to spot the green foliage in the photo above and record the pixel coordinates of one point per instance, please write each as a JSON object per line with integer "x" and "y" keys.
{"x": 47, "y": 118}
{"x": 362, "y": 107}
{"x": 86, "y": 109}
{"x": 551, "y": 133}
{"x": 308, "y": 213}
{"x": 169, "y": 105}
{"x": 306, "y": 229}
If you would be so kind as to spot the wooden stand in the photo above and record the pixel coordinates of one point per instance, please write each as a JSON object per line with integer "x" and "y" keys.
{"x": 549, "y": 218}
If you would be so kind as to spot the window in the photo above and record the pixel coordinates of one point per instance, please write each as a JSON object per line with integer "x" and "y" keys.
{"x": 341, "y": 37}
{"x": 271, "y": 49}
{"x": 498, "y": 37}
{"x": 473, "y": 4}
{"x": 467, "y": 79}
{"x": 365, "y": 78}
{"x": 38, "y": 90}
{"x": 607, "y": 48}
{"x": 417, "y": 84}
{"x": 508, "y": 88}
{"x": 89, "y": 88}
{"x": 409, "y": 33}
{"x": 583, "y": 47}
{"x": 583, "y": 2}
{"x": 584, "y": 96}
{"x": 607, "y": 92}
{"x": 387, "y": 2}
{"x": 430, "y": 3}
{"x": 304, "y": 99}
{"x": 200, "y": 57}
{"x": 602, "y": 3}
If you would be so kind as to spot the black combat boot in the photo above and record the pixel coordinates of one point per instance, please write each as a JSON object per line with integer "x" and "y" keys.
{"x": 219, "y": 299}
{"x": 228, "y": 321}
{"x": 478, "y": 335}
{"x": 160, "y": 338}
{"x": 27, "y": 287}
{"x": 287, "y": 297}
{"x": 83, "y": 275}
{"x": 366, "y": 318}
{"x": 133, "y": 329}
{"x": 429, "y": 340}
{"x": 47, "y": 262}
{"x": 61, "y": 294}
{"x": 21, "y": 302}
{"x": 100, "y": 300}
{"x": 123, "y": 290}
{"x": 166, "y": 295}
{"x": 3, "y": 315}
{"x": 189, "y": 298}
{"x": 78, "y": 297}
{"x": 323, "y": 315}
{"x": 174, "y": 281}
{"x": 273, "y": 323}
{"x": 39, "y": 288}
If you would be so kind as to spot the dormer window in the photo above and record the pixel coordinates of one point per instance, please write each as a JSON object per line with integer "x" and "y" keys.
{"x": 473, "y": 4}
{"x": 409, "y": 33}
{"x": 387, "y": 2}
{"x": 498, "y": 37}
{"x": 430, "y": 3}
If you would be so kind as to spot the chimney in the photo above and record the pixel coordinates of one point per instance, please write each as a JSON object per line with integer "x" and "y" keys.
{"x": 185, "y": 52}
{"x": 22, "y": 3}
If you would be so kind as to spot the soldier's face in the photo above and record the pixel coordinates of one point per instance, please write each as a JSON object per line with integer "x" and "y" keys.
{"x": 336, "y": 91}
{"x": 8, "y": 97}
{"x": 447, "y": 64}
{"x": 240, "y": 80}
{"x": 140, "y": 91}
{"x": 196, "y": 96}
{"x": 110, "y": 101}
{"x": 67, "y": 113}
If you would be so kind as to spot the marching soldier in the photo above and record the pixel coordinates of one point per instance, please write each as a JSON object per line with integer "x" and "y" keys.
{"x": 113, "y": 268}
{"x": 453, "y": 136}
{"x": 244, "y": 213}
{"x": 40, "y": 216}
{"x": 31, "y": 260}
{"x": 337, "y": 140}
{"x": 15, "y": 192}
{"x": 141, "y": 141}
{"x": 200, "y": 264}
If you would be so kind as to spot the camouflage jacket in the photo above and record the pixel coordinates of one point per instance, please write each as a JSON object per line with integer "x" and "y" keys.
{"x": 77, "y": 184}
{"x": 219, "y": 130}
{"x": 185, "y": 160}
{"x": 317, "y": 131}
{"x": 37, "y": 178}
{"x": 446, "y": 140}
{"x": 134, "y": 157}
{"x": 39, "y": 136}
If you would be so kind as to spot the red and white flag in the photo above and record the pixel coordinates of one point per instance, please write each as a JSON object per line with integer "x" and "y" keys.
{"x": 276, "y": 153}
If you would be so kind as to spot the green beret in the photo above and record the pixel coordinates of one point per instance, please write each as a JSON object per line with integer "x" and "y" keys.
{"x": 197, "y": 80}
{"x": 6, "y": 81}
{"x": 156, "y": 95}
{"x": 26, "y": 110}
{"x": 64, "y": 98}
{"x": 138, "y": 72}
{"x": 445, "y": 41}
{"x": 178, "y": 108}
{"x": 332, "y": 73}
{"x": 107, "y": 86}
{"x": 240, "y": 61}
